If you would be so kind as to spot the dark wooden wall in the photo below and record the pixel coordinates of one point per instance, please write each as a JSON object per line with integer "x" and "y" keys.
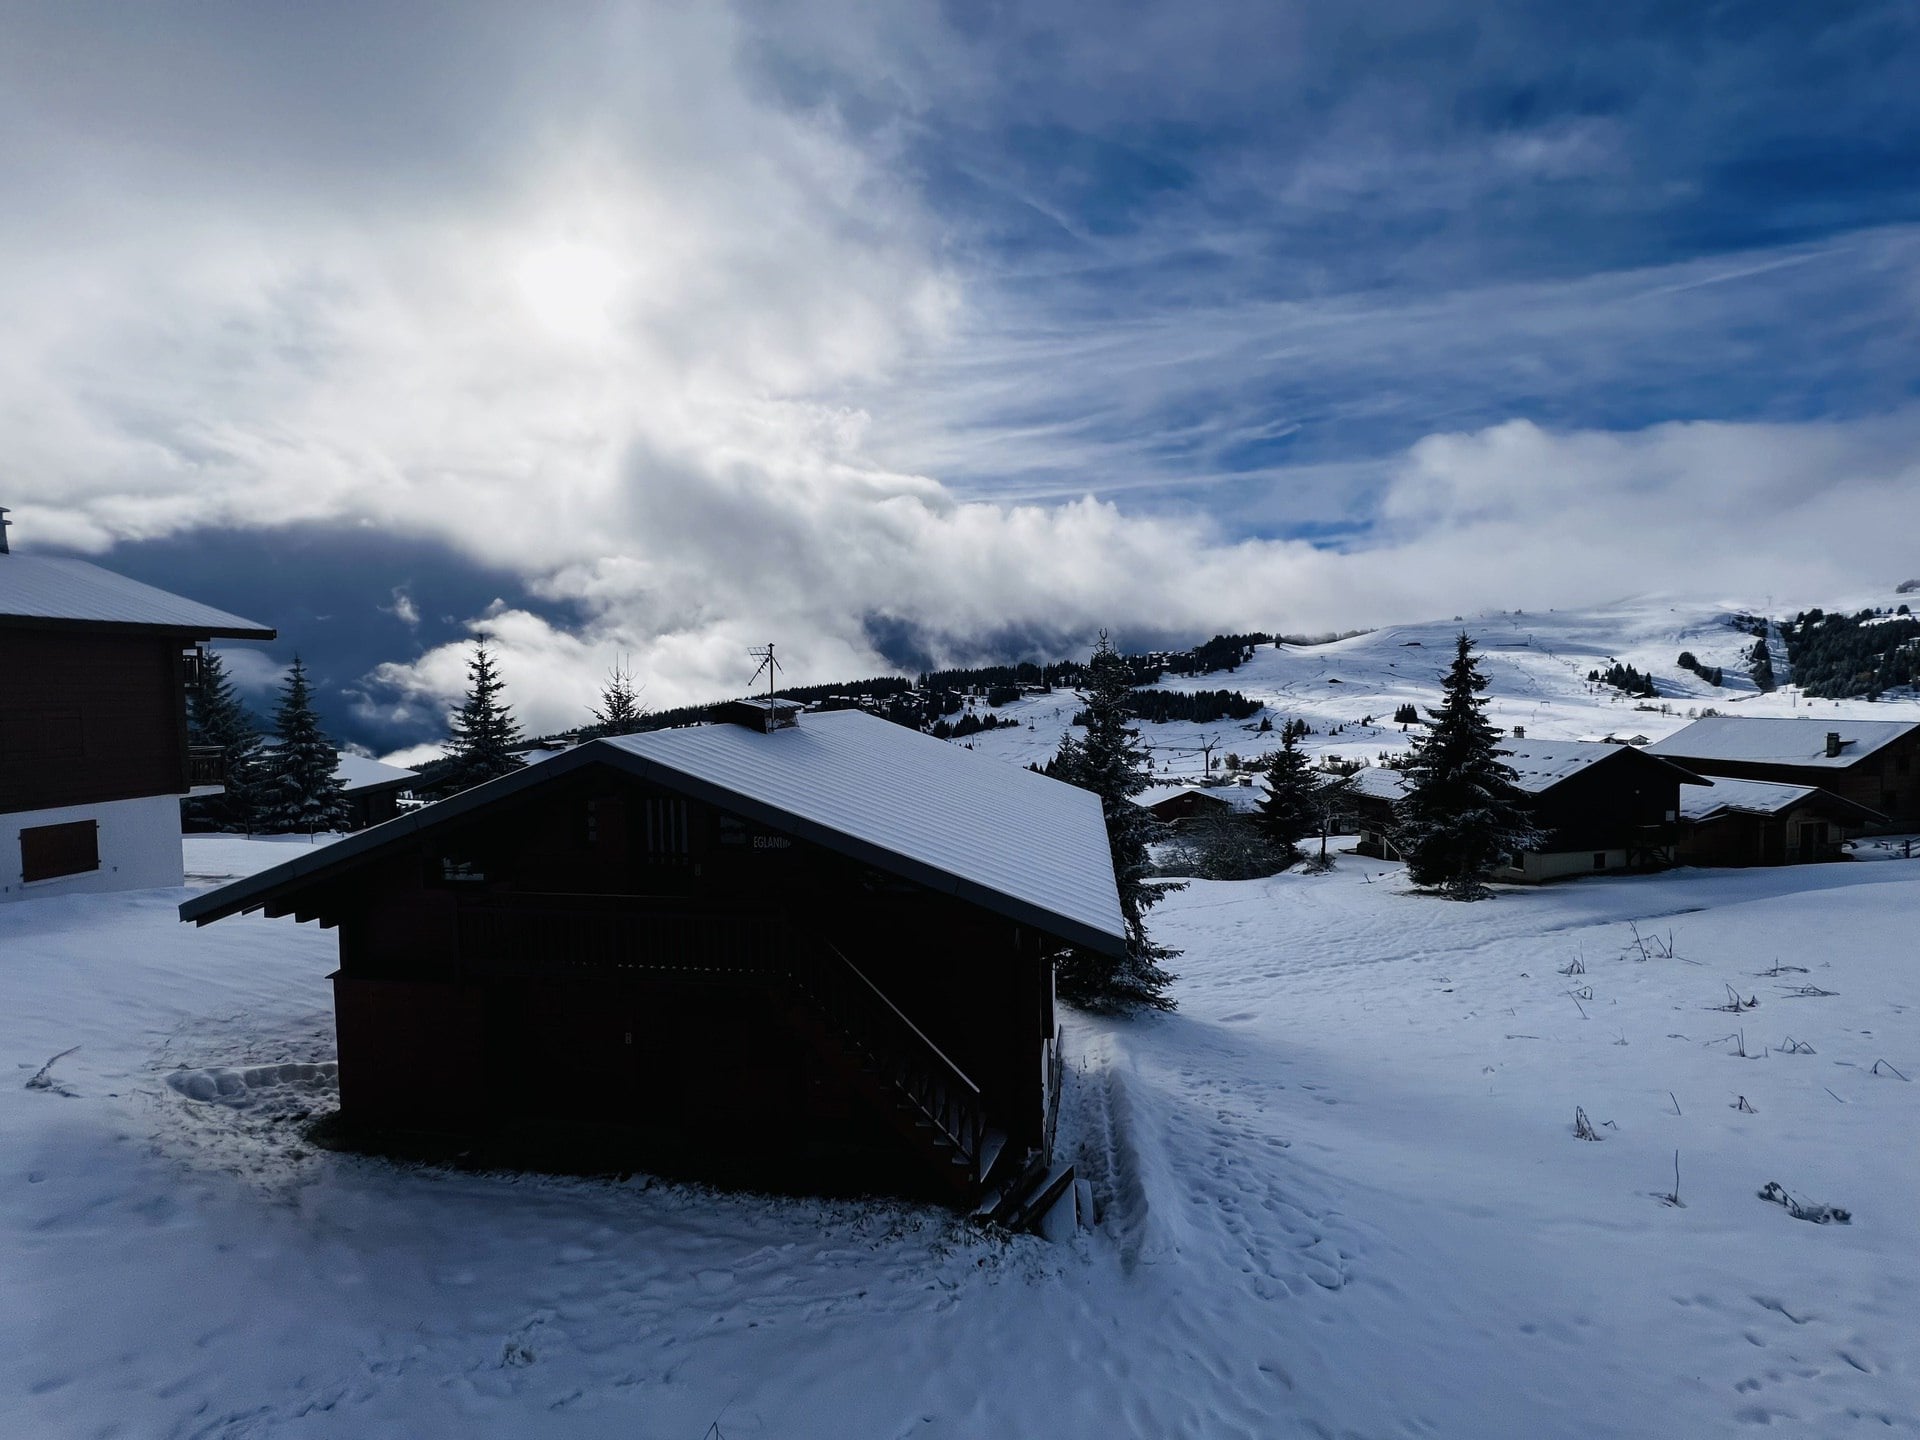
{"x": 509, "y": 933}
{"x": 86, "y": 718}
{"x": 1613, "y": 804}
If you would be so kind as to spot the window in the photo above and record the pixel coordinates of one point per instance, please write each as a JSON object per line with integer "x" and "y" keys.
{"x": 1599, "y": 859}
{"x": 666, "y": 828}
{"x": 49, "y": 851}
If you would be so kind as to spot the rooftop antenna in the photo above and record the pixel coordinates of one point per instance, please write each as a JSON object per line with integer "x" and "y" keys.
{"x": 768, "y": 667}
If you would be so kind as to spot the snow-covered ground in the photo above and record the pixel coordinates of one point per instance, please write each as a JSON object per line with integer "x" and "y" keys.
{"x": 1341, "y": 1196}
{"x": 1536, "y": 664}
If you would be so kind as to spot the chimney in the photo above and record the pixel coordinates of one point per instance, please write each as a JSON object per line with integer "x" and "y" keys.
{"x": 4, "y": 523}
{"x": 1833, "y": 744}
{"x": 757, "y": 714}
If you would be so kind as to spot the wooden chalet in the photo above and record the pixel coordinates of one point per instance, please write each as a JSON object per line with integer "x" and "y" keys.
{"x": 373, "y": 790}
{"x": 93, "y": 725}
{"x": 1762, "y": 822}
{"x": 815, "y": 954}
{"x": 1180, "y": 805}
{"x": 1603, "y": 808}
{"x": 1369, "y": 797}
{"x": 1873, "y": 763}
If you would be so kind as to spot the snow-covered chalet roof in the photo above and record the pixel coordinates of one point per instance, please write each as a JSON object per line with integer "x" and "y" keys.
{"x": 1766, "y": 797}
{"x": 1159, "y": 794}
{"x": 1538, "y": 765}
{"x": 1377, "y": 783}
{"x": 358, "y": 772}
{"x": 55, "y": 590}
{"x": 993, "y": 834}
{"x": 1780, "y": 740}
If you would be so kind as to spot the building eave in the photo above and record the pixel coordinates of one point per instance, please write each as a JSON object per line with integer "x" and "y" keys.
{"x": 290, "y": 877}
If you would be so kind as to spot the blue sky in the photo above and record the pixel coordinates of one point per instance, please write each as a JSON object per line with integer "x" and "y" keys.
{"x": 645, "y": 333}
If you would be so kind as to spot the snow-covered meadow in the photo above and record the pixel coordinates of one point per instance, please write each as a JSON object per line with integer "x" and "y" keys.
{"x": 1341, "y": 1196}
{"x": 1536, "y": 664}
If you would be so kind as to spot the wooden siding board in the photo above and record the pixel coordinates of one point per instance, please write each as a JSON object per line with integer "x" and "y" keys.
{"x": 89, "y": 718}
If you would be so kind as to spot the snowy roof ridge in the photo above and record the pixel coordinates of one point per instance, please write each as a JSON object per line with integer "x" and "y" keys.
{"x": 1765, "y": 797}
{"x": 1538, "y": 766}
{"x": 56, "y": 589}
{"x": 1781, "y": 740}
{"x": 837, "y": 781}
{"x": 360, "y": 772}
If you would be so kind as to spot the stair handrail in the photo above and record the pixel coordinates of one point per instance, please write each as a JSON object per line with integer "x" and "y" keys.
{"x": 955, "y": 1072}
{"x": 970, "y": 1131}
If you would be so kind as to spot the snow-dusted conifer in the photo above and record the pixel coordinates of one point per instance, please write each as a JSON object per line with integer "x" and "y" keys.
{"x": 484, "y": 730}
{"x": 1292, "y": 808}
{"x": 1111, "y": 762}
{"x": 300, "y": 794}
{"x": 620, "y": 711}
{"x": 215, "y": 716}
{"x": 1462, "y": 813}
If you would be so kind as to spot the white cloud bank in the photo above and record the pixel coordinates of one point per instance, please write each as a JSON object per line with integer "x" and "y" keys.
{"x": 1505, "y": 517}
{"x": 593, "y": 352}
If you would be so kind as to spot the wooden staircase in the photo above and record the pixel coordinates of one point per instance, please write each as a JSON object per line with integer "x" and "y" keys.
{"x": 929, "y": 1100}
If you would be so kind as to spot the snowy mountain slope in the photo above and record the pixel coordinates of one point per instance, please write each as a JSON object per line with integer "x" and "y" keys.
{"x": 1340, "y": 1188}
{"x": 1536, "y": 664}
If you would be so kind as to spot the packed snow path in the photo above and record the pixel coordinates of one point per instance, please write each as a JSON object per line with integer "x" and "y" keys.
{"x": 1341, "y": 1191}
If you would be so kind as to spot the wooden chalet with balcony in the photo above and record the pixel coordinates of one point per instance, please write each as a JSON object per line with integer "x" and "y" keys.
{"x": 813, "y": 955}
{"x": 93, "y": 725}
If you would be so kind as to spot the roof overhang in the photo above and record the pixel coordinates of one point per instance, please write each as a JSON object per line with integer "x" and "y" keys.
{"x": 1825, "y": 802}
{"x": 275, "y": 887}
{"x": 124, "y": 627}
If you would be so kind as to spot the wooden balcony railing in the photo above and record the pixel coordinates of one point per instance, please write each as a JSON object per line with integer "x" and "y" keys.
{"x": 206, "y": 765}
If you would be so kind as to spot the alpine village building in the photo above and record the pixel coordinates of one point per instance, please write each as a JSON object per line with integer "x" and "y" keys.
{"x": 1603, "y": 807}
{"x": 1762, "y": 822}
{"x": 813, "y": 955}
{"x": 94, "y": 756}
{"x": 1873, "y": 763}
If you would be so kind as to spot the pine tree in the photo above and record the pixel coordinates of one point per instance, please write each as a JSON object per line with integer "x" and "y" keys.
{"x": 215, "y": 716}
{"x": 1291, "y": 810}
{"x": 620, "y": 711}
{"x": 1112, "y": 764}
{"x": 484, "y": 730}
{"x": 1462, "y": 813}
{"x": 300, "y": 794}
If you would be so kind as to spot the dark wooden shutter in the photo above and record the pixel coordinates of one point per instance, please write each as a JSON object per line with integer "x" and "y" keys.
{"x": 47, "y": 851}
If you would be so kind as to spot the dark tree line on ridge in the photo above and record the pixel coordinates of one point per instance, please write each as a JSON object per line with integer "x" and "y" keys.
{"x": 1860, "y": 655}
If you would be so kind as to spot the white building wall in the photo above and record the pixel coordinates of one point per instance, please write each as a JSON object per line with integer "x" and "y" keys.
{"x": 1558, "y": 865}
{"x": 139, "y": 847}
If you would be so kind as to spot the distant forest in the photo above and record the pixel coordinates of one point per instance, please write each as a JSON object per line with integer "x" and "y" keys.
{"x": 1203, "y": 706}
{"x": 1849, "y": 656}
{"x": 938, "y": 700}
{"x": 1626, "y": 678}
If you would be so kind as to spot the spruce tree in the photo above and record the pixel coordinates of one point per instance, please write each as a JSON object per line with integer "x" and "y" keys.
{"x": 1291, "y": 810}
{"x": 299, "y": 792}
{"x": 484, "y": 730}
{"x": 1112, "y": 764}
{"x": 620, "y": 711}
{"x": 1462, "y": 814}
{"x": 215, "y": 716}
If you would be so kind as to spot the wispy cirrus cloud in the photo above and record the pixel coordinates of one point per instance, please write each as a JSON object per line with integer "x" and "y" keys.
{"x": 933, "y": 333}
